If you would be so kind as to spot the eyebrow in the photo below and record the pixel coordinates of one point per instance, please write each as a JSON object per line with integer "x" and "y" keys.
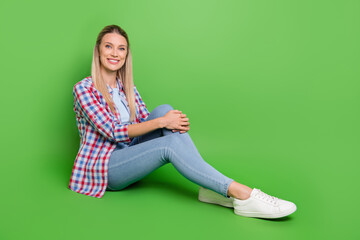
{"x": 112, "y": 44}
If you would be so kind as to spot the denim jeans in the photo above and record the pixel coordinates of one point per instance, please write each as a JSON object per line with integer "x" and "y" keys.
{"x": 146, "y": 153}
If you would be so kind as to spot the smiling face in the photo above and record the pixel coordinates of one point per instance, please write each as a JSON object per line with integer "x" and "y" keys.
{"x": 112, "y": 51}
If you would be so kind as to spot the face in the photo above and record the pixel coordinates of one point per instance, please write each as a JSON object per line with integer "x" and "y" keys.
{"x": 113, "y": 50}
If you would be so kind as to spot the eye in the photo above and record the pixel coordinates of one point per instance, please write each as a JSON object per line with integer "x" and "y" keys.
{"x": 107, "y": 46}
{"x": 122, "y": 48}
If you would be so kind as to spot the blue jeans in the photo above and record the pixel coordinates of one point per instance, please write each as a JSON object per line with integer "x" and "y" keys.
{"x": 146, "y": 153}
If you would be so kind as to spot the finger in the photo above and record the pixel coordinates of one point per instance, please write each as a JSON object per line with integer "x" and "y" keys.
{"x": 185, "y": 129}
{"x": 185, "y": 124}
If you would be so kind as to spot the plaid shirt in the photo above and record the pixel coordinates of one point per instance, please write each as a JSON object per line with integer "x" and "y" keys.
{"x": 100, "y": 131}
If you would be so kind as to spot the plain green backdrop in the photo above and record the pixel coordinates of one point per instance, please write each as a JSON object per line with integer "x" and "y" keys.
{"x": 271, "y": 88}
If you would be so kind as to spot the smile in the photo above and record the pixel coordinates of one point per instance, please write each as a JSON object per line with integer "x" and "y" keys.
{"x": 113, "y": 61}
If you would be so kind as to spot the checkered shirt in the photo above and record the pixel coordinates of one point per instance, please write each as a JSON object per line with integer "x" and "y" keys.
{"x": 100, "y": 131}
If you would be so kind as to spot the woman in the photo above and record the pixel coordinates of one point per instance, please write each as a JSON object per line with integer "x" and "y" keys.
{"x": 121, "y": 142}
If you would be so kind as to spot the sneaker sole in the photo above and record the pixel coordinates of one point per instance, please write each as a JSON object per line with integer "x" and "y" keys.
{"x": 212, "y": 201}
{"x": 270, "y": 216}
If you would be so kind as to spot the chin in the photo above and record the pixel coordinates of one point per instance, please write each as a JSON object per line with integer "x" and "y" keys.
{"x": 112, "y": 69}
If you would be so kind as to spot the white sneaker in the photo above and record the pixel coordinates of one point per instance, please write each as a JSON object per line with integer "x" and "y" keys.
{"x": 209, "y": 196}
{"x": 262, "y": 205}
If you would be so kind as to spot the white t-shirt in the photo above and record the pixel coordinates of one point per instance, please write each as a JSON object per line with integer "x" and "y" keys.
{"x": 121, "y": 103}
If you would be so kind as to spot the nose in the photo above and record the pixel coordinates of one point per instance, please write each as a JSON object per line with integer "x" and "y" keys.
{"x": 114, "y": 52}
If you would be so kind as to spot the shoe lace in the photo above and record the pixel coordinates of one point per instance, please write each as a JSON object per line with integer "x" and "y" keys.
{"x": 266, "y": 197}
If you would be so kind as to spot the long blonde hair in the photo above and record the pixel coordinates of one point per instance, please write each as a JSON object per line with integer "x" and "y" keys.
{"x": 125, "y": 73}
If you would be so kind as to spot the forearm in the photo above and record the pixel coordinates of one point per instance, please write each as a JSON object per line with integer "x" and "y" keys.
{"x": 138, "y": 129}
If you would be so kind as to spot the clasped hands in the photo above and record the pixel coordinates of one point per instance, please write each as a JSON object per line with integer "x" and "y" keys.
{"x": 176, "y": 121}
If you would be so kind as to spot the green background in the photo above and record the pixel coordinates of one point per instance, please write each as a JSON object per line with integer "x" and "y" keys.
{"x": 271, "y": 89}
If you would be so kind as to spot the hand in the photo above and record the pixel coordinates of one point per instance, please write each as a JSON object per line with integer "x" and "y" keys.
{"x": 176, "y": 121}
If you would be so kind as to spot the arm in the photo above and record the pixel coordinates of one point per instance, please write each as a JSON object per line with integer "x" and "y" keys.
{"x": 96, "y": 114}
{"x": 174, "y": 119}
{"x": 139, "y": 129}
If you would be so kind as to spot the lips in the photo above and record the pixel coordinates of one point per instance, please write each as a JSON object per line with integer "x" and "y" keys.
{"x": 113, "y": 61}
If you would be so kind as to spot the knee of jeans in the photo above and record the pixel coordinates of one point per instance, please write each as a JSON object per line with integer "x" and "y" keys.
{"x": 163, "y": 109}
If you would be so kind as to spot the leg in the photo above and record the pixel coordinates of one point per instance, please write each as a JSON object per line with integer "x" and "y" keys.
{"x": 131, "y": 164}
{"x": 235, "y": 189}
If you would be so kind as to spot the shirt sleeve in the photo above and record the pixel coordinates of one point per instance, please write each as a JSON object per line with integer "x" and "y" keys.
{"x": 96, "y": 114}
{"x": 143, "y": 111}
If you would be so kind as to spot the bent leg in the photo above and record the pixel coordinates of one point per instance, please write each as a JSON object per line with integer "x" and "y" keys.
{"x": 131, "y": 164}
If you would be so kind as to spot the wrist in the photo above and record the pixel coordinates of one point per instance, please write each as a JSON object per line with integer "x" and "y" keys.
{"x": 161, "y": 122}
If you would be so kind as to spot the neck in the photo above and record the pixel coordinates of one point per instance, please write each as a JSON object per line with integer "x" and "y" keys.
{"x": 109, "y": 77}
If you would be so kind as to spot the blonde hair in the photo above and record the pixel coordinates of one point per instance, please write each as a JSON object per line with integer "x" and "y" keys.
{"x": 125, "y": 73}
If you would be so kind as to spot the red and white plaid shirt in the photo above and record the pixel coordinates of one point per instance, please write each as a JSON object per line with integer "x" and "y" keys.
{"x": 100, "y": 131}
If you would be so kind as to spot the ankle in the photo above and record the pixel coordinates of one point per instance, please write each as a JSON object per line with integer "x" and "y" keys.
{"x": 243, "y": 195}
{"x": 239, "y": 191}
